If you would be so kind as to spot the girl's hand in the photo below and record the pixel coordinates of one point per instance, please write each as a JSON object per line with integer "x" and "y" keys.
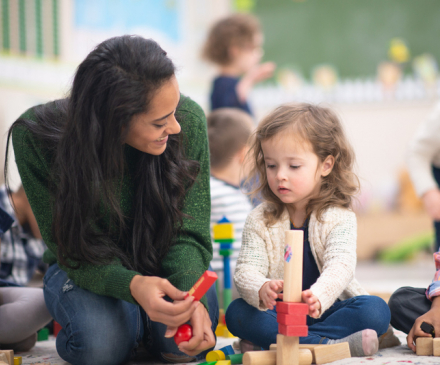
{"x": 431, "y": 201}
{"x": 203, "y": 337}
{"x": 269, "y": 292}
{"x": 313, "y": 302}
{"x": 258, "y": 73}
{"x": 149, "y": 292}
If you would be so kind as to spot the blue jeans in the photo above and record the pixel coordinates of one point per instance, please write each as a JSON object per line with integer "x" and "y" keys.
{"x": 104, "y": 330}
{"x": 342, "y": 319}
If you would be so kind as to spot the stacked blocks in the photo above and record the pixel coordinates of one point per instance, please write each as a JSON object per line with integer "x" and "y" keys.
{"x": 428, "y": 346}
{"x": 292, "y": 319}
{"x": 223, "y": 233}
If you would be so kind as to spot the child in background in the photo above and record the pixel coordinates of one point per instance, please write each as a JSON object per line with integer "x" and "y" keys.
{"x": 22, "y": 247}
{"x": 22, "y": 310}
{"x": 228, "y": 132}
{"x": 305, "y": 168}
{"x": 234, "y": 45}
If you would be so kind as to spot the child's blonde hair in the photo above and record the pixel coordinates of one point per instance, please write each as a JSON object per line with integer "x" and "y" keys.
{"x": 235, "y": 30}
{"x": 322, "y": 129}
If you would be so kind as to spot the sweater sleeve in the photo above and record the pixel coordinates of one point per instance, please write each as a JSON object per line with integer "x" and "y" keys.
{"x": 421, "y": 151}
{"x": 252, "y": 267}
{"x": 34, "y": 167}
{"x": 190, "y": 256}
{"x": 339, "y": 259}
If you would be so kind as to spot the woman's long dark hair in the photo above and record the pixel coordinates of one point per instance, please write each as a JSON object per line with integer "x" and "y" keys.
{"x": 85, "y": 134}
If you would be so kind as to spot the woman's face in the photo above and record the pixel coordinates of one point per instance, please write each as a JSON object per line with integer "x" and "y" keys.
{"x": 149, "y": 131}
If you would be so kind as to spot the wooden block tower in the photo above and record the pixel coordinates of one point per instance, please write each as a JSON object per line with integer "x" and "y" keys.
{"x": 223, "y": 233}
{"x": 291, "y": 313}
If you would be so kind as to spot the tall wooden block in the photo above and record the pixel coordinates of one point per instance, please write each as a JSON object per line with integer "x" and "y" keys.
{"x": 436, "y": 346}
{"x": 329, "y": 353}
{"x": 424, "y": 346}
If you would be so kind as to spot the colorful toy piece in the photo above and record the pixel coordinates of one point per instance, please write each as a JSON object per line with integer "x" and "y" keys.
{"x": 227, "y": 350}
{"x": 223, "y": 233}
{"x": 216, "y": 355}
{"x": 297, "y": 331}
{"x": 224, "y": 362}
{"x": 202, "y": 285}
{"x": 292, "y": 308}
{"x": 43, "y": 334}
{"x": 56, "y": 328}
{"x": 17, "y": 360}
{"x": 292, "y": 319}
{"x": 235, "y": 359}
{"x": 184, "y": 333}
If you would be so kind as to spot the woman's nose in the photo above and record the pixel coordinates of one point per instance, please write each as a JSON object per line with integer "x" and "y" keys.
{"x": 174, "y": 126}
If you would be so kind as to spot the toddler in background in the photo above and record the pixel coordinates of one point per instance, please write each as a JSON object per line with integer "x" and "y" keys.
{"x": 234, "y": 45}
{"x": 228, "y": 132}
{"x": 304, "y": 165}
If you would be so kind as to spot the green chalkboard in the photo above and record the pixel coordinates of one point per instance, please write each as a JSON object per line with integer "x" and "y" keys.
{"x": 352, "y": 35}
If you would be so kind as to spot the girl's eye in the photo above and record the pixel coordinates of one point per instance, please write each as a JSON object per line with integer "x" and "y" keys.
{"x": 295, "y": 167}
{"x": 270, "y": 166}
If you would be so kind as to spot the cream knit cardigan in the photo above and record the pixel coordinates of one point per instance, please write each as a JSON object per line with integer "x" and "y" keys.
{"x": 333, "y": 244}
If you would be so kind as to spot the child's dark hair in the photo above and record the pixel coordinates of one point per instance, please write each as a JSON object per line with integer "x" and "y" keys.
{"x": 228, "y": 131}
{"x": 321, "y": 128}
{"x": 236, "y": 30}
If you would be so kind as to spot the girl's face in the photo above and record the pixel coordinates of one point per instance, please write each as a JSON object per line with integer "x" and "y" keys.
{"x": 293, "y": 170}
{"x": 149, "y": 131}
{"x": 250, "y": 56}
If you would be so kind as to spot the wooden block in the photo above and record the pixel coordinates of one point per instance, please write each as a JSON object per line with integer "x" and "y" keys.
{"x": 4, "y": 363}
{"x": 292, "y": 319}
{"x": 235, "y": 359}
{"x": 223, "y": 231}
{"x": 4, "y": 358}
{"x": 270, "y": 357}
{"x": 227, "y": 350}
{"x": 202, "y": 285}
{"x": 216, "y": 355}
{"x": 297, "y": 331}
{"x": 293, "y": 259}
{"x": 310, "y": 347}
{"x": 9, "y": 355}
{"x": 224, "y": 362}
{"x": 56, "y": 328}
{"x": 18, "y": 360}
{"x": 436, "y": 346}
{"x": 292, "y": 308}
{"x": 329, "y": 353}
{"x": 424, "y": 346}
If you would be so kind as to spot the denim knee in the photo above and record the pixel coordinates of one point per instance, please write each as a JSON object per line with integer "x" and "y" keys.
{"x": 376, "y": 314}
{"x": 233, "y": 316}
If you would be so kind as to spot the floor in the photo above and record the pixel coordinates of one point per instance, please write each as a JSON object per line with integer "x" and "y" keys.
{"x": 377, "y": 278}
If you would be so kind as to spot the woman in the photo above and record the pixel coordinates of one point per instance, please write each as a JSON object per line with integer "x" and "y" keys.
{"x": 122, "y": 201}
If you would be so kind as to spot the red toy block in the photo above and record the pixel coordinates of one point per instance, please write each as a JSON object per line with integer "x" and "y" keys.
{"x": 202, "y": 285}
{"x": 292, "y": 319}
{"x": 56, "y": 328}
{"x": 292, "y": 308}
{"x": 293, "y": 331}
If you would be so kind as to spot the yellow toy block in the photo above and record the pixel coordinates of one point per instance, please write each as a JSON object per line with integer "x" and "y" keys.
{"x": 224, "y": 362}
{"x": 220, "y": 330}
{"x": 216, "y": 355}
{"x": 17, "y": 360}
{"x": 223, "y": 231}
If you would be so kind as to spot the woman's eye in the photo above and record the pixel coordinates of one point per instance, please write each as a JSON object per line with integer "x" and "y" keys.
{"x": 159, "y": 125}
{"x": 295, "y": 167}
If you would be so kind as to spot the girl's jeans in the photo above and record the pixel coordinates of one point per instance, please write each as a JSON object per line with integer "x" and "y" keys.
{"x": 104, "y": 330}
{"x": 342, "y": 319}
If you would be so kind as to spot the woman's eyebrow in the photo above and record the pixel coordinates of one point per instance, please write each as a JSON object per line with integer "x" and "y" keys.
{"x": 162, "y": 118}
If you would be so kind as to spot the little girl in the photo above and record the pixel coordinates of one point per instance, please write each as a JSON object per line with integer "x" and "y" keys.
{"x": 304, "y": 166}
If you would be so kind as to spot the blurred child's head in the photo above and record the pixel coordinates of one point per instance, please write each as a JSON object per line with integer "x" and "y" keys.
{"x": 302, "y": 157}
{"x": 236, "y": 39}
{"x": 228, "y": 132}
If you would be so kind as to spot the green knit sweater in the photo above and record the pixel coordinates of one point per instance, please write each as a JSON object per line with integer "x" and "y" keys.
{"x": 187, "y": 259}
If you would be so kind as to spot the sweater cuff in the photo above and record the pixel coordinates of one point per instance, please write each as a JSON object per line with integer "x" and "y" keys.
{"x": 323, "y": 297}
{"x": 250, "y": 293}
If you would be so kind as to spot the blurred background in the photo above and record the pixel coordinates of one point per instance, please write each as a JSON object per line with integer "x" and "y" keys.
{"x": 374, "y": 62}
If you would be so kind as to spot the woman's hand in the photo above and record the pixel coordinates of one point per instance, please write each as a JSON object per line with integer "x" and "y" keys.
{"x": 203, "y": 337}
{"x": 149, "y": 292}
{"x": 313, "y": 302}
{"x": 269, "y": 292}
{"x": 432, "y": 317}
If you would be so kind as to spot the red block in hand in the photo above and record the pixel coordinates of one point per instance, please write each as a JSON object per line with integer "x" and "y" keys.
{"x": 292, "y": 308}
{"x": 292, "y": 319}
{"x": 293, "y": 331}
{"x": 202, "y": 285}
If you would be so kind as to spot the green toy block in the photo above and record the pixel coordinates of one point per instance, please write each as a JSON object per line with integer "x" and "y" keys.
{"x": 224, "y": 241}
{"x": 226, "y": 252}
{"x": 235, "y": 359}
{"x": 43, "y": 334}
{"x": 227, "y": 298}
{"x": 208, "y": 363}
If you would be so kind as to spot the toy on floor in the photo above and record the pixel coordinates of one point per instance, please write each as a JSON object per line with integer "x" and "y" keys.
{"x": 56, "y": 328}
{"x": 184, "y": 332}
{"x": 7, "y": 357}
{"x": 18, "y": 360}
{"x": 43, "y": 334}
{"x": 428, "y": 346}
{"x": 291, "y": 324}
{"x": 222, "y": 330}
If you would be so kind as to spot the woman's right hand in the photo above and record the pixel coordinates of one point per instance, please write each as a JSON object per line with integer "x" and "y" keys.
{"x": 149, "y": 292}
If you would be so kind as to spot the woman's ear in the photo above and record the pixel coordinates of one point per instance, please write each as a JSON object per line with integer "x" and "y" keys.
{"x": 327, "y": 165}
